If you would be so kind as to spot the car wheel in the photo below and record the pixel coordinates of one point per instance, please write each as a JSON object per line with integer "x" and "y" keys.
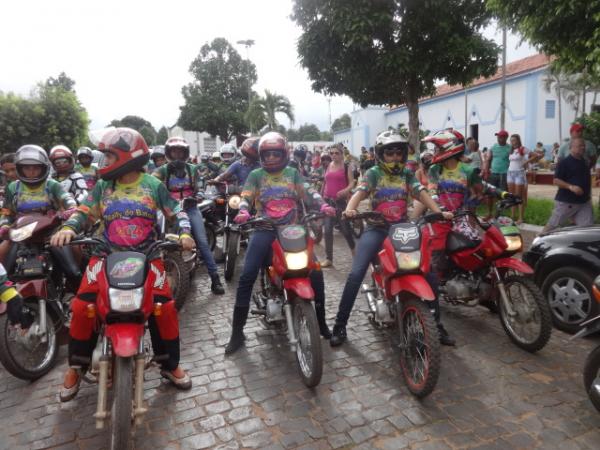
{"x": 569, "y": 293}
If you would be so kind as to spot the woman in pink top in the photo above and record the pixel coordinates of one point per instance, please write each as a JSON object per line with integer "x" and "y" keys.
{"x": 337, "y": 188}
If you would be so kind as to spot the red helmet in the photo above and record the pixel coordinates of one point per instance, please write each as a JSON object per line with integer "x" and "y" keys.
{"x": 250, "y": 148}
{"x": 130, "y": 149}
{"x": 62, "y": 152}
{"x": 449, "y": 143}
{"x": 273, "y": 141}
{"x": 177, "y": 142}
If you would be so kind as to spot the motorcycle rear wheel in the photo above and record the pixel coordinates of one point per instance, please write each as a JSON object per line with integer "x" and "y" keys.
{"x": 233, "y": 245}
{"x": 539, "y": 321}
{"x": 10, "y": 350}
{"x": 309, "y": 355}
{"x": 591, "y": 377}
{"x": 420, "y": 355}
{"x": 120, "y": 416}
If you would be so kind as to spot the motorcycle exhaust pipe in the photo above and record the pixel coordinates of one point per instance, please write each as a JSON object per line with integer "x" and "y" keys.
{"x": 43, "y": 321}
{"x": 140, "y": 362}
{"x": 101, "y": 412}
{"x": 368, "y": 290}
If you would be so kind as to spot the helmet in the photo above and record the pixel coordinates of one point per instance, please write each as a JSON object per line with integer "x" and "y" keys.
{"x": 273, "y": 141}
{"x": 228, "y": 152}
{"x": 450, "y": 144}
{"x": 130, "y": 149}
{"x": 85, "y": 151}
{"x": 29, "y": 155}
{"x": 391, "y": 140}
{"x": 62, "y": 152}
{"x": 204, "y": 157}
{"x": 300, "y": 152}
{"x": 216, "y": 155}
{"x": 177, "y": 142}
{"x": 158, "y": 152}
{"x": 427, "y": 158}
{"x": 250, "y": 148}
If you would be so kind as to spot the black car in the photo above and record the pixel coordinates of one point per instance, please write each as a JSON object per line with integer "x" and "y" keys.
{"x": 566, "y": 262}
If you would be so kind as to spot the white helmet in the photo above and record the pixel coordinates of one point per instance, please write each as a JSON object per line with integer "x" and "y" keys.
{"x": 216, "y": 155}
{"x": 228, "y": 152}
{"x": 29, "y": 155}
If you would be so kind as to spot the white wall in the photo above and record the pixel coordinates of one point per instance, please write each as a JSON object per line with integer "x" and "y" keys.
{"x": 200, "y": 142}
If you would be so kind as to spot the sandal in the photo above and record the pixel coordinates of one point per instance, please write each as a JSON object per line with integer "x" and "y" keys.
{"x": 184, "y": 383}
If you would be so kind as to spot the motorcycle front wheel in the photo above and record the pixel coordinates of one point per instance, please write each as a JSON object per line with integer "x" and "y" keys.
{"x": 231, "y": 252}
{"x": 309, "y": 355}
{"x": 529, "y": 324}
{"x": 178, "y": 276}
{"x": 315, "y": 229}
{"x": 591, "y": 377}
{"x": 120, "y": 416}
{"x": 26, "y": 356}
{"x": 419, "y": 347}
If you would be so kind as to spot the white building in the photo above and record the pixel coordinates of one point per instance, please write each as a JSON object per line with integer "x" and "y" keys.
{"x": 531, "y": 111}
{"x": 200, "y": 142}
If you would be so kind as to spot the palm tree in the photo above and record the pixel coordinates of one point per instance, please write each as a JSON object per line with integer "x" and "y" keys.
{"x": 262, "y": 110}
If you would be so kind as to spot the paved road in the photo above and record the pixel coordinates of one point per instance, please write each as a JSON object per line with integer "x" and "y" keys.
{"x": 490, "y": 395}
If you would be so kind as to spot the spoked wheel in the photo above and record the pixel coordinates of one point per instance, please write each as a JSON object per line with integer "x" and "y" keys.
{"x": 315, "y": 230}
{"x": 357, "y": 227}
{"x": 121, "y": 413}
{"x": 527, "y": 321}
{"x": 308, "y": 350}
{"x": 178, "y": 276}
{"x": 26, "y": 355}
{"x": 231, "y": 253}
{"x": 591, "y": 377}
{"x": 419, "y": 347}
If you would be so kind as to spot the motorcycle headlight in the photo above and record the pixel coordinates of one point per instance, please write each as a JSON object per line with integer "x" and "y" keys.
{"x": 408, "y": 261}
{"x": 234, "y": 202}
{"x": 20, "y": 234}
{"x": 125, "y": 300}
{"x": 296, "y": 260}
{"x": 515, "y": 243}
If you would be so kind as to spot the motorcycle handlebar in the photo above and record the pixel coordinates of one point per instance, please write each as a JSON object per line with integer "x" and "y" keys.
{"x": 162, "y": 245}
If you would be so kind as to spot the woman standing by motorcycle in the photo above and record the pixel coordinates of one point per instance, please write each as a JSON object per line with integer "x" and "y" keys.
{"x": 388, "y": 184}
{"x": 183, "y": 180}
{"x": 126, "y": 200}
{"x": 276, "y": 191}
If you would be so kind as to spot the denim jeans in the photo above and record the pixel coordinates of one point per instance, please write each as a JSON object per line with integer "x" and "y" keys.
{"x": 330, "y": 222}
{"x": 258, "y": 254}
{"x": 199, "y": 233}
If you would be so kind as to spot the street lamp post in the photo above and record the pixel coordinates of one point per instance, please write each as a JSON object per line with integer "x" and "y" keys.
{"x": 248, "y": 43}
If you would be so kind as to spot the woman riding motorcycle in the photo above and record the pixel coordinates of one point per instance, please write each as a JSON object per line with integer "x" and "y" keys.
{"x": 85, "y": 157}
{"x": 184, "y": 181}
{"x": 72, "y": 181}
{"x": 276, "y": 191}
{"x": 126, "y": 200}
{"x": 388, "y": 185}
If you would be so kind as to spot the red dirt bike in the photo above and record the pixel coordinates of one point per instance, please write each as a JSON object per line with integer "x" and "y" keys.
{"x": 128, "y": 282}
{"x": 398, "y": 296}
{"x": 483, "y": 271}
{"x": 286, "y": 296}
{"x": 34, "y": 268}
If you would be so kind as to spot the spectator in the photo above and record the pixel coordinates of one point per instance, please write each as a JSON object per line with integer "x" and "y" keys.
{"x": 497, "y": 165}
{"x": 555, "y": 149}
{"x": 8, "y": 167}
{"x": 519, "y": 159}
{"x": 572, "y": 200}
{"x": 475, "y": 157}
{"x": 576, "y": 131}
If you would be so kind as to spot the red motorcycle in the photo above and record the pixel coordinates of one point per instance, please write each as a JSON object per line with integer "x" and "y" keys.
{"x": 128, "y": 283}
{"x": 484, "y": 271}
{"x": 398, "y": 296}
{"x": 286, "y": 296}
{"x": 34, "y": 268}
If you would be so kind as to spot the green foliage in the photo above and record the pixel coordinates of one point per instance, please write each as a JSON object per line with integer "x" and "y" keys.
{"x": 569, "y": 30}
{"x": 262, "y": 110}
{"x": 393, "y": 51}
{"x": 140, "y": 124}
{"x": 62, "y": 81}
{"x": 217, "y": 99}
{"x": 341, "y": 123}
{"x": 162, "y": 136}
{"x": 591, "y": 131}
{"x": 403, "y": 131}
{"x": 308, "y": 132}
{"x": 326, "y": 136}
{"x": 50, "y": 116}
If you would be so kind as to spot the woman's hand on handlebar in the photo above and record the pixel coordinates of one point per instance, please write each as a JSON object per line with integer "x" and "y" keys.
{"x": 187, "y": 243}
{"x": 327, "y": 210}
{"x": 448, "y": 215}
{"x": 350, "y": 213}
{"x": 62, "y": 237}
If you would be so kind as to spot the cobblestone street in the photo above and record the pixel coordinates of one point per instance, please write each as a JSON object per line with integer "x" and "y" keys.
{"x": 490, "y": 395}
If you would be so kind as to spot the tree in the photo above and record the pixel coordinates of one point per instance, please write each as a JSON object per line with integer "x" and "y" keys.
{"x": 162, "y": 136}
{"x": 326, "y": 136}
{"x": 569, "y": 30}
{"x": 263, "y": 109}
{"x": 309, "y": 132}
{"x": 393, "y": 51}
{"x": 592, "y": 127}
{"x": 217, "y": 99}
{"x": 140, "y": 124}
{"x": 341, "y": 123}
{"x": 62, "y": 81}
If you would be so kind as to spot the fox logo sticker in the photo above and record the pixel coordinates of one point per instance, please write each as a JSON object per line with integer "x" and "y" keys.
{"x": 405, "y": 234}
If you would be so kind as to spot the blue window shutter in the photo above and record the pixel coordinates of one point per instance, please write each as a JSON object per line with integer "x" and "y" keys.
{"x": 550, "y": 107}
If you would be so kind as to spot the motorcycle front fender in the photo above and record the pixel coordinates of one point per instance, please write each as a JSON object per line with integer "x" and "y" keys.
{"x": 125, "y": 338}
{"x": 415, "y": 284}
{"x": 299, "y": 286}
{"x": 514, "y": 264}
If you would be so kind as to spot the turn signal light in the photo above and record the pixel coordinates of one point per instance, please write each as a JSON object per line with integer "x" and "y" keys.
{"x": 596, "y": 293}
{"x": 220, "y": 201}
{"x": 90, "y": 311}
{"x": 157, "y": 309}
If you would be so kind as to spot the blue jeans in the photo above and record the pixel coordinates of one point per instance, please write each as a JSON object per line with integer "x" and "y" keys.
{"x": 258, "y": 254}
{"x": 199, "y": 233}
{"x": 330, "y": 222}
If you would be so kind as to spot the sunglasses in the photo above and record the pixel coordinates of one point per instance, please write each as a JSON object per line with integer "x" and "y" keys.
{"x": 393, "y": 151}
{"x": 272, "y": 154}
{"x": 62, "y": 162}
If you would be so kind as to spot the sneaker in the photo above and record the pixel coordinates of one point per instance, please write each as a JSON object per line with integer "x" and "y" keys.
{"x": 338, "y": 336}
{"x": 445, "y": 338}
{"x": 326, "y": 263}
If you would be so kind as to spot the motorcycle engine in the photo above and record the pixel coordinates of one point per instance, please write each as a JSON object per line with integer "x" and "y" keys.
{"x": 30, "y": 265}
{"x": 460, "y": 288}
{"x": 274, "y": 310}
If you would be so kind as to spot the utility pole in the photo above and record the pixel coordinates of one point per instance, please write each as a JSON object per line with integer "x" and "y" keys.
{"x": 503, "y": 100}
{"x": 329, "y": 102}
{"x": 248, "y": 43}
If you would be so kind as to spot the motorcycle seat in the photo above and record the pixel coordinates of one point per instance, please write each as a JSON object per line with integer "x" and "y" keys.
{"x": 456, "y": 242}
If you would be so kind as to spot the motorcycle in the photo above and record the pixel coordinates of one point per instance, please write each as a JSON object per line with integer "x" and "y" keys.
{"x": 286, "y": 297}
{"x": 398, "y": 296}
{"x": 591, "y": 368}
{"x": 33, "y": 267}
{"x": 125, "y": 300}
{"x": 483, "y": 270}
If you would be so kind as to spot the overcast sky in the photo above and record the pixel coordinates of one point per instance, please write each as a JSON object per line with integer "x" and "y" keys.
{"x": 132, "y": 57}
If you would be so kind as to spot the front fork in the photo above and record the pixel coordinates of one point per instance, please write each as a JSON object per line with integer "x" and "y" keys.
{"x": 43, "y": 321}
{"x": 287, "y": 308}
{"x": 503, "y": 295}
{"x": 101, "y": 411}
{"x": 138, "y": 390}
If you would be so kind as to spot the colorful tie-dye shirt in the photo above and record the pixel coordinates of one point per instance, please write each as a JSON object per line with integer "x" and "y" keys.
{"x": 275, "y": 195}
{"x": 128, "y": 211}
{"x": 21, "y": 199}
{"x": 457, "y": 187}
{"x": 89, "y": 174}
{"x": 180, "y": 187}
{"x": 389, "y": 193}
